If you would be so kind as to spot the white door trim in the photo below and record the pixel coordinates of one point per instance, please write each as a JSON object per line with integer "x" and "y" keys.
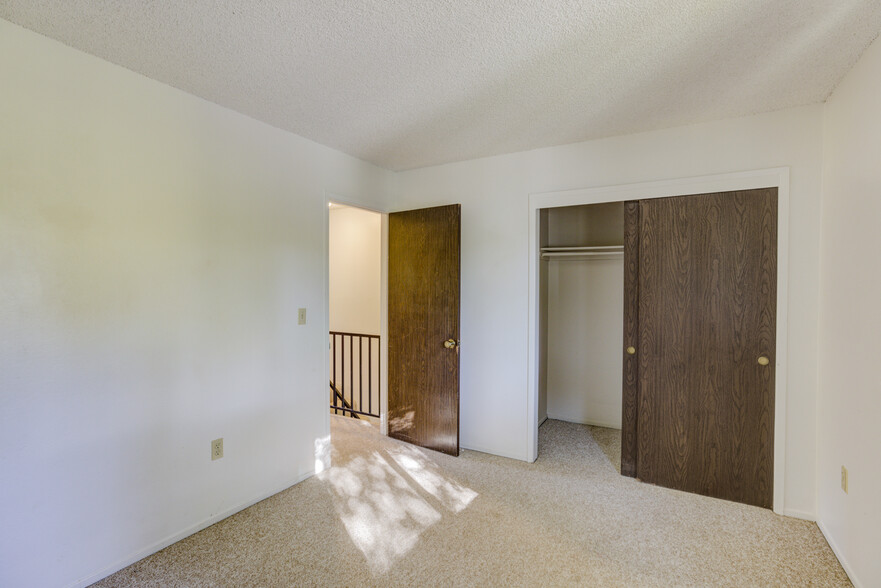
{"x": 763, "y": 178}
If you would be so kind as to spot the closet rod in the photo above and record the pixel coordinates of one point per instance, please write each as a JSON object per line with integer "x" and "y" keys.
{"x": 583, "y": 255}
{"x": 610, "y": 252}
{"x": 585, "y": 248}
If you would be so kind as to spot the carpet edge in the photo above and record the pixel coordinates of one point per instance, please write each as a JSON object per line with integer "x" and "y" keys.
{"x": 841, "y": 559}
{"x": 191, "y": 530}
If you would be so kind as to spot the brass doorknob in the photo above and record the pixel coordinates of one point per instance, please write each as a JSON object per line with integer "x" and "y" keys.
{"x": 631, "y": 350}
{"x": 451, "y": 343}
{"x": 764, "y": 360}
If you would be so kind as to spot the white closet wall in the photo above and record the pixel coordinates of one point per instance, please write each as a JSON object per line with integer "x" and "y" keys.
{"x": 585, "y": 315}
{"x": 585, "y": 318}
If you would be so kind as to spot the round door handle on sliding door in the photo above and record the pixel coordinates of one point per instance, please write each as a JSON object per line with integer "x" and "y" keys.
{"x": 764, "y": 360}
{"x": 631, "y": 350}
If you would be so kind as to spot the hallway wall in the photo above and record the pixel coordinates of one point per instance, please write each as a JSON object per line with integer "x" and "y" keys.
{"x": 355, "y": 250}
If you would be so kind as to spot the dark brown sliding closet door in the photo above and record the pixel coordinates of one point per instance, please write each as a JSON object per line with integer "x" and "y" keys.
{"x": 629, "y": 412}
{"x": 705, "y": 349}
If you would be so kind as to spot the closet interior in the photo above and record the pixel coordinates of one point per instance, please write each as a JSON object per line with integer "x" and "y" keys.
{"x": 581, "y": 306}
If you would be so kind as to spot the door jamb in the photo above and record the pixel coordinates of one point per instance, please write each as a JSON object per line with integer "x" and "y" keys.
{"x": 748, "y": 180}
{"x": 383, "y": 304}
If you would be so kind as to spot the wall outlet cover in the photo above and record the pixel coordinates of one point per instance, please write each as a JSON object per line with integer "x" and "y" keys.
{"x": 217, "y": 449}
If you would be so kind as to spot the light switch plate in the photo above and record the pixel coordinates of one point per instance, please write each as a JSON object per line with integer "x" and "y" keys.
{"x": 301, "y": 316}
{"x": 844, "y": 480}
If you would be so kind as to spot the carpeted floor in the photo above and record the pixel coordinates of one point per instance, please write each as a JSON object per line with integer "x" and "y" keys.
{"x": 609, "y": 441}
{"x": 389, "y": 514}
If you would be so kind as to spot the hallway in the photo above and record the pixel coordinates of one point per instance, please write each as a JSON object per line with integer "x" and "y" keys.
{"x": 388, "y": 513}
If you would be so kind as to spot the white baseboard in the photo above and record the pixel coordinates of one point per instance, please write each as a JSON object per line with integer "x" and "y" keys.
{"x": 593, "y": 423}
{"x": 799, "y": 514}
{"x": 493, "y": 452}
{"x": 837, "y": 551}
{"x": 542, "y": 421}
{"x": 163, "y": 543}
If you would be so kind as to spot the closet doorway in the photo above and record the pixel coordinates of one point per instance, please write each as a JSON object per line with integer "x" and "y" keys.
{"x": 704, "y": 410}
{"x": 582, "y": 301}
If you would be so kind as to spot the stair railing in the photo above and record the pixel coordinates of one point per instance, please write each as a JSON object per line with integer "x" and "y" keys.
{"x": 354, "y": 374}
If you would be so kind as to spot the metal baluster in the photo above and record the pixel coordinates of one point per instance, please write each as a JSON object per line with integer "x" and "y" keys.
{"x": 370, "y": 375}
{"x": 351, "y": 372}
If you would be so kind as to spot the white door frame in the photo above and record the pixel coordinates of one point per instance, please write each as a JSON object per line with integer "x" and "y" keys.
{"x": 763, "y": 178}
{"x": 383, "y": 304}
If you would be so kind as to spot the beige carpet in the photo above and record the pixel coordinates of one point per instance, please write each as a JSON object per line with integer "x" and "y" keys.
{"x": 609, "y": 441}
{"x": 389, "y": 514}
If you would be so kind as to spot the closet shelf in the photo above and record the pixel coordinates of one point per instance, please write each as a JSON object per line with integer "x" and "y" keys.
{"x": 575, "y": 253}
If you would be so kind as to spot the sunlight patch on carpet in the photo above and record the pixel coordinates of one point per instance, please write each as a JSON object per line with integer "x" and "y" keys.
{"x": 387, "y": 498}
{"x": 322, "y": 454}
{"x": 383, "y": 515}
{"x": 449, "y": 493}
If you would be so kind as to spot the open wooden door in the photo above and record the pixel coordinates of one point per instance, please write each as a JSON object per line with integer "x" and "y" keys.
{"x": 423, "y": 327}
{"x": 700, "y": 334}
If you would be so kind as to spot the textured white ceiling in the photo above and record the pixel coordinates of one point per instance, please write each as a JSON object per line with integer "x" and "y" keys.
{"x": 406, "y": 84}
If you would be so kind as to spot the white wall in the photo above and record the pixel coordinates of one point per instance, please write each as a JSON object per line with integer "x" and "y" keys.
{"x": 154, "y": 249}
{"x": 355, "y": 266}
{"x": 494, "y": 196}
{"x": 594, "y": 225}
{"x": 585, "y": 339}
{"x": 850, "y": 311}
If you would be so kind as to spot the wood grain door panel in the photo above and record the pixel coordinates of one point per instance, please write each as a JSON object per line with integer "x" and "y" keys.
{"x": 423, "y": 312}
{"x": 706, "y": 312}
{"x": 630, "y": 380}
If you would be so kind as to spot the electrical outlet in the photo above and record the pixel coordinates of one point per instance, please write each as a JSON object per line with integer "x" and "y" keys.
{"x": 217, "y": 449}
{"x": 844, "y": 479}
{"x": 301, "y": 316}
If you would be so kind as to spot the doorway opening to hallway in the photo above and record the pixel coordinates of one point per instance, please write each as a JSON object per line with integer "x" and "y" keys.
{"x": 355, "y": 320}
